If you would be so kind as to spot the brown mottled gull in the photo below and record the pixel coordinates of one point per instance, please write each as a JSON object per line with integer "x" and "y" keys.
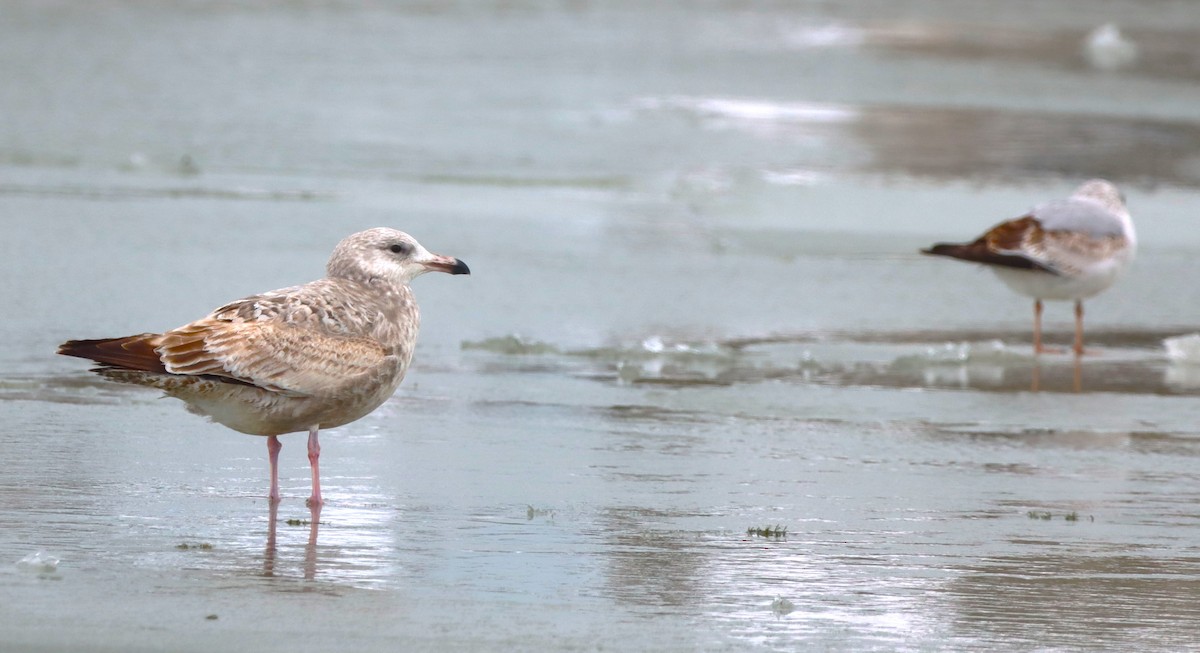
{"x": 302, "y": 358}
{"x": 1068, "y": 249}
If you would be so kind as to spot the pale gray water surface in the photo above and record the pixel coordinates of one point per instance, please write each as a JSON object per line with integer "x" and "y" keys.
{"x": 695, "y": 310}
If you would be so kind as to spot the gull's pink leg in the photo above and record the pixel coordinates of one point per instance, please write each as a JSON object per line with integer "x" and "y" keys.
{"x": 1078, "y": 327}
{"x": 1037, "y": 327}
{"x": 273, "y": 447}
{"x": 314, "y": 454}
{"x": 1038, "y": 348}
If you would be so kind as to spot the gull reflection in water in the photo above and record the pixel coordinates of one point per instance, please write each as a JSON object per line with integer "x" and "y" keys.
{"x": 357, "y": 548}
{"x": 1035, "y": 384}
{"x": 310, "y": 549}
{"x": 1012, "y": 375}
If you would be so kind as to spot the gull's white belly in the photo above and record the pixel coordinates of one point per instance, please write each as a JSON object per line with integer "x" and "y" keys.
{"x": 1062, "y": 287}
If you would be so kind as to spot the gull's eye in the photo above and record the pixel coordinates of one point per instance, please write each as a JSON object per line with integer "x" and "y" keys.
{"x": 400, "y": 248}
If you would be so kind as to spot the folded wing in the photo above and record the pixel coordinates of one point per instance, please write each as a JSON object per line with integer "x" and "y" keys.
{"x": 276, "y": 356}
{"x": 275, "y": 342}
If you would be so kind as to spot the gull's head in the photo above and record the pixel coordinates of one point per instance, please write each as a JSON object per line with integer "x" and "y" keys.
{"x": 1103, "y": 193}
{"x": 383, "y": 255}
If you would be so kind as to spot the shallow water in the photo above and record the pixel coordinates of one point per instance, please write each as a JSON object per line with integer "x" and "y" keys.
{"x": 699, "y": 393}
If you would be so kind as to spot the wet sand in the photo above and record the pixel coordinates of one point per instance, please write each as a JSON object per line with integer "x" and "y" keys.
{"x": 700, "y": 391}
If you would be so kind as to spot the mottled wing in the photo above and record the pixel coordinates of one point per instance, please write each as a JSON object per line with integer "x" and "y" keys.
{"x": 272, "y": 355}
{"x": 277, "y": 341}
{"x": 1026, "y": 243}
{"x": 1071, "y": 253}
{"x": 1076, "y": 235}
{"x": 1067, "y": 249}
{"x": 1008, "y": 244}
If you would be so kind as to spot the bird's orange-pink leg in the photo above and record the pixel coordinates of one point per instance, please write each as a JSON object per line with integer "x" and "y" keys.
{"x": 1037, "y": 327}
{"x": 1078, "y": 327}
{"x": 314, "y": 454}
{"x": 1038, "y": 348}
{"x": 273, "y": 447}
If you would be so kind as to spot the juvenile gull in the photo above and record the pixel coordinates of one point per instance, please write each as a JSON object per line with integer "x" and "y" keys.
{"x": 1068, "y": 249}
{"x": 302, "y": 358}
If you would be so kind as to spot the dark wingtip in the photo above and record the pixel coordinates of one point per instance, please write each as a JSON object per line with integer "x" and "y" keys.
{"x": 939, "y": 249}
{"x": 131, "y": 352}
{"x": 71, "y": 348}
{"x": 979, "y": 253}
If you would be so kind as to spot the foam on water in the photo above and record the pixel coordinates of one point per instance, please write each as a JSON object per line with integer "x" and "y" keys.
{"x": 1184, "y": 350}
{"x": 40, "y": 563}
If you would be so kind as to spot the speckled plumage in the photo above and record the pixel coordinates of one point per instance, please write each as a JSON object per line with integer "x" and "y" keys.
{"x": 303, "y": 358}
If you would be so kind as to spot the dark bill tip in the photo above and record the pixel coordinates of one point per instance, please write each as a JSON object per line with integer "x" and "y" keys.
{"x": 448, "y": 265}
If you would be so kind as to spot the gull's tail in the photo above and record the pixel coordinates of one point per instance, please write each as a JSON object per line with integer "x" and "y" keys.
{"x": 130, "y": 353}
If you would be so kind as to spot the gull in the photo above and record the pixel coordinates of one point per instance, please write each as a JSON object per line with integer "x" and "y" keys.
{"x": 303, "y": 358}
{"x": 1067, "y": 250}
